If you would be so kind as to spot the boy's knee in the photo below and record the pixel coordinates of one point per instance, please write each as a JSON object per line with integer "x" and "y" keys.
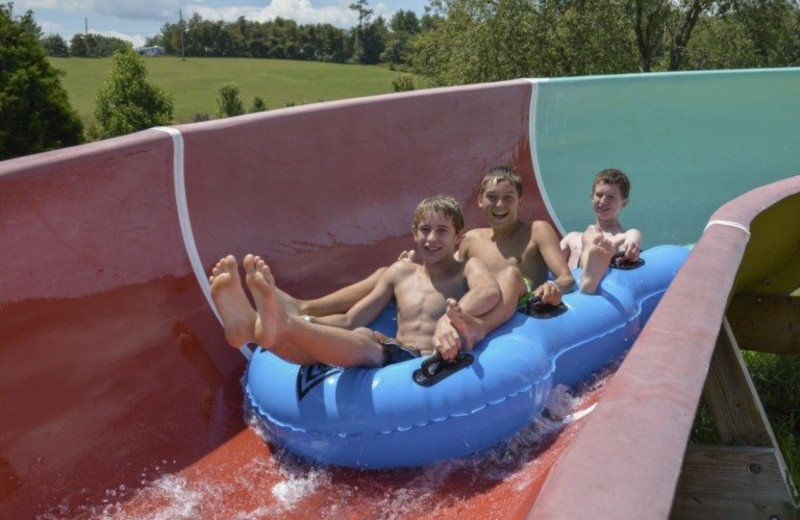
{"x": 511, "y": 280}
{"x": 510, "y": 273}
{"x": 364, "y": 331}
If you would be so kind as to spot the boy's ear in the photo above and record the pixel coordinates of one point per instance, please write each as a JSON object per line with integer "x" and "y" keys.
{"x": 624, "y": 202}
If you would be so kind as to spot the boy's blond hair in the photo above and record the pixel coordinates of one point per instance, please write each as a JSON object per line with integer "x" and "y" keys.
{"x": 444, "y": 205}
{"x": 500, "y": 174}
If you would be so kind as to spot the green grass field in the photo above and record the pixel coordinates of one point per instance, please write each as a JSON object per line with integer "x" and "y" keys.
{"x": 194, "y": 83}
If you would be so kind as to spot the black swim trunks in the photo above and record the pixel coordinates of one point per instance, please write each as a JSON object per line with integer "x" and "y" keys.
{"x": 394, "y": 351}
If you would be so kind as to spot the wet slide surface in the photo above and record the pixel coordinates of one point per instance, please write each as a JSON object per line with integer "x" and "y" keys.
{"x": 249, "y": 478}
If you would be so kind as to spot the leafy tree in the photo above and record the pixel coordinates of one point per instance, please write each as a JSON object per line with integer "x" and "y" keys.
{"x": 369, "y": 38}
{"x": 35, "y": 114}
{"x": 404, "y": 26}
{"x": 403, "y": 83}
{"x": 228, "y": 103}
{"x": 54, "y": 45}
{"x": 127, "y": 102}
{"x": 486, "y": 40}
{"x": 404, "y": 21}
{"x": 258, "y": 105}
{"x": 372, "y": 42}
{"x": 96, "y": 46}
{"x": 364, "y": 13}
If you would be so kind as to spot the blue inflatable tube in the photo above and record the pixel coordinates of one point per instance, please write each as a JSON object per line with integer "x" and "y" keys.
{"x": 384, "y": 418}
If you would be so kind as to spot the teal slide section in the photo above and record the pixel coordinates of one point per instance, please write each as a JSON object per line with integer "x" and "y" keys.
{"x": 688, "y": 141}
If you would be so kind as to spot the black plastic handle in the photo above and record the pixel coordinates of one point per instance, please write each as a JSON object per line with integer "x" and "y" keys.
{"x": 435, "y": 368}
{"x": 538, "y": 309}
{"x": 618, "y": 261}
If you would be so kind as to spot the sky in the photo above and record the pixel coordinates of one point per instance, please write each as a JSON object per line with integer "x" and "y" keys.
{"x": 135, "y": 20}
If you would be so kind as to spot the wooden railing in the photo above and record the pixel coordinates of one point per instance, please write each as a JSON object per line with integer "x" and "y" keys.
{"x": 631, "y": 460}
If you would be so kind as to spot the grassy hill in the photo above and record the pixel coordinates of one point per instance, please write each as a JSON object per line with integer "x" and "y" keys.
{"x": 194, "y": 83}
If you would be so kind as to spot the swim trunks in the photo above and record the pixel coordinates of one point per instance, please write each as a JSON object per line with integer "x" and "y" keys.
{"x": 393, "y": 350}
{"x": 522, "y": 303}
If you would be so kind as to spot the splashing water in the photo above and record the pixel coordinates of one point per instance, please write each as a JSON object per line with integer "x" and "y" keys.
{"x": 280, "y": 485}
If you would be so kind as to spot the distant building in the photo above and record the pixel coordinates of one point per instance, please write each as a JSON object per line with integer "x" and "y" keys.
{"x": 151, "y": 51}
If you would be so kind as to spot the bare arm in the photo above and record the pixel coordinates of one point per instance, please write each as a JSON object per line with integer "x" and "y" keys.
{"x": 367, "y": 308}
{"x": 462, "y": 254}
{"x": 571, "y": 246}
{"x": 547, "y": 241}
{"x": 631, "y": 245}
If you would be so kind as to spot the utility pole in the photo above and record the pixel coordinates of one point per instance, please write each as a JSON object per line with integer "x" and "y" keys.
{"x": 86, "y": 35}
{"x": 180, "y": 14}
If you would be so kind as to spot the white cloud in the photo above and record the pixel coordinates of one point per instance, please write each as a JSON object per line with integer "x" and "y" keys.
{"x": 137, "y": 40}
{"x": 51, "y": 28}
{"x": 301, "y": 11}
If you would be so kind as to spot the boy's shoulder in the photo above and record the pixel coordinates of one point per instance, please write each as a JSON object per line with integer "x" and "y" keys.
{"x": 541, "y": 230}
{"x": 478, "y": 233}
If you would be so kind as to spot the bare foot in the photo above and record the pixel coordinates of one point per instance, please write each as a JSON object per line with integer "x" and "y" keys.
{"x": 467, "y": 326}
{"x": 596, "y": 264}
{"x": 238, "y": 316}
{"x": 271, "y": 316}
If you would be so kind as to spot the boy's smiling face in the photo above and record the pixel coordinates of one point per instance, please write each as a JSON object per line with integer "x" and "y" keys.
{"x": 500, "y": 203}
{"x": 436, "y": 237}
{"x": 607, "y": 201}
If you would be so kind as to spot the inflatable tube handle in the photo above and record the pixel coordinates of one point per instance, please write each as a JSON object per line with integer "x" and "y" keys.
{"x": 435, "y": 369}
{"x": 537, "y": 309}
{"x": 618, "y": 262}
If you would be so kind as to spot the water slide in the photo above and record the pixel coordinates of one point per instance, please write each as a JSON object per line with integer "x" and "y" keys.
{"x": 120, "y": 398}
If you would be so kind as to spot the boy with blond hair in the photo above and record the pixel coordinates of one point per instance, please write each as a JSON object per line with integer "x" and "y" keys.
{"x": 437, "y": 301}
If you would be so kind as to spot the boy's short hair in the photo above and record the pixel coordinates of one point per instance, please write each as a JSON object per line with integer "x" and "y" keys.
{"x": 444, "y": 205}
{"x": 615, "y": 177}
{"x": 500, "y": 174}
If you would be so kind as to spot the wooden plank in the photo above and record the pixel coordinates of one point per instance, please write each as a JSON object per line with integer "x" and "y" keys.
{"x": 766, "y": 323}
{"x": 732, "y": 398}
{"x": 732, "y": 483}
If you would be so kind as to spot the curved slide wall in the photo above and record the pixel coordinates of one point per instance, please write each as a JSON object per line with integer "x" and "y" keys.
{"x": 112, "y": 362}
{"x": 689, "y": 142}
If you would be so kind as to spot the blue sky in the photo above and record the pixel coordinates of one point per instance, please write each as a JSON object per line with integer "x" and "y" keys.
{"x": 135, "y": 20}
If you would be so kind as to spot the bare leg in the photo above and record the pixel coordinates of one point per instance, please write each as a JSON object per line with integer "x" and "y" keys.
{"x": 595, "y": 260}
{"x": 474, "y": 328}
{"x": 339, "y": 302}
{"x": 238, "y": 316}
{"x": 295, "y": 340}
{"x": 469, "y": 328}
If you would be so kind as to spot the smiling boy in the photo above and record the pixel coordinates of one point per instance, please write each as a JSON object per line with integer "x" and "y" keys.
{"x": 518, "y": 253}
{"x": 593, "y": 248}
{"x": 436, "y": 302}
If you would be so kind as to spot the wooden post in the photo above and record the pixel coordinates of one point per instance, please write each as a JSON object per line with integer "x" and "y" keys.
{"x": 747, "y": 481}
{"x": 766, "y": 323}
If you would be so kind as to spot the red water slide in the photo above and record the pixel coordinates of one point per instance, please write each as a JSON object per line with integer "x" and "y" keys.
{"x": 120, "y": 398}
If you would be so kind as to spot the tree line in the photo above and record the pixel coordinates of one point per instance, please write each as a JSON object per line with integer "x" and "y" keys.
{"x": 371, "y": 41}
{"x": 489, "y": 40}
{"x": 467, "y": 41}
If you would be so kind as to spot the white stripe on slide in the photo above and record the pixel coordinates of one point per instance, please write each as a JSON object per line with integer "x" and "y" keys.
{"x": 537, "y": 170}
{"x": 186, "y": 224}
{"x": 728, "y": 223}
